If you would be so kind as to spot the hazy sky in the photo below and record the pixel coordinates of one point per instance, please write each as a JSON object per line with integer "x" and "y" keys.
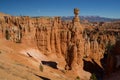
{"x": 105, "y": 8}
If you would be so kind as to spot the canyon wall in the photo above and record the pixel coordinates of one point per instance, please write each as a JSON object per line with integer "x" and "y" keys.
{"x": 67, "y": 39}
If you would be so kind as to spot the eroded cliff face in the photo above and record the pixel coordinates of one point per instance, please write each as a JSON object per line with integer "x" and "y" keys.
{"x": 66, "y": 39}
{"x": 63, "y": 39}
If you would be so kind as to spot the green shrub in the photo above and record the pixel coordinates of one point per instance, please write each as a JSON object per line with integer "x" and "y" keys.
{"x": 41, "y": 67}
{"x": 93, "y": 77}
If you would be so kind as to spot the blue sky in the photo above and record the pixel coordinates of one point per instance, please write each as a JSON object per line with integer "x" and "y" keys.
{"x": 105, "y": 8}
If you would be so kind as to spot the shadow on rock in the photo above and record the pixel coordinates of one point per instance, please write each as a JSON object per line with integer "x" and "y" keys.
{"x": 43, "y": 78}
{"x": 50, "y": 63}
{"x": 94, "y": 68}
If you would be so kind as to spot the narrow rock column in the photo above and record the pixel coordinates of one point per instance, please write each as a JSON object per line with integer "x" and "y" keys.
{"x": 77, "y": 41}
